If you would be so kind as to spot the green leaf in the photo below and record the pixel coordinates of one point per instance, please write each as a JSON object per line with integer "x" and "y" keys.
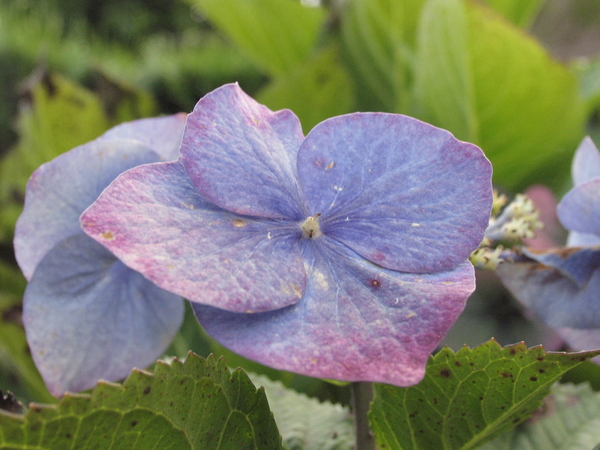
{"x": 315, "y": 92}
{"x": 588, "y": 72}
{"x": 491, "y": 84}
{"x": 197, "y": 404}
{"x": 278, "y": 35}
{"x": 570, "y": 420}
{"x": 519, "y": 12}
{"x": 469, "y": 397}
{"x": 305, "y": 423}
{"x": 378, "y": 38}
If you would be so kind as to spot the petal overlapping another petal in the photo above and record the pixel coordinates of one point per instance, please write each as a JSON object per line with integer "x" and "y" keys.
{"x": 579, "y": 209}
{"x": 399, "y": 192}
{"x": 562, "y": 294}
{"x": 242, "y": 156}
{"x": 357, "y": 321}
{"x": 59, "y": 191}
{"x": 161, "y": 134}
{"x": 155, "y": 220}
{"x": 89, "y": 317}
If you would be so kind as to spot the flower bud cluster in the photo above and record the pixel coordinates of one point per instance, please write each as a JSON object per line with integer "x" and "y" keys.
{"x": 508, "y": 224}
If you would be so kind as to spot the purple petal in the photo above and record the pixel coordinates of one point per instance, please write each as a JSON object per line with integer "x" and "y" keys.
{"x": 579, "y": 209}
{"x": 556, "y": 298}
{"x": 59, "y": 191}
{"x": 88, "y": 317}
{"x": 242, "y": 156}
{"x": 399, "y": 192}
{"x": 356, "y": 321}
{"x": 157, "y": 223}
{"x": 586, "y": 162}
{"x": 582, "y": 340}
{"x": 161, "y": 134}
{"x": 576, "y": 239}
{"x": 575, "y": 264}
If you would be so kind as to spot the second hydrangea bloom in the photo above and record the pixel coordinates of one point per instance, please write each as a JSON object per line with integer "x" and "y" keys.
{"x": 339, "y": 255}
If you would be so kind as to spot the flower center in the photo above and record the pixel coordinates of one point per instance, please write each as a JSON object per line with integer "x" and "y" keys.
{"x": 310, "y": 227}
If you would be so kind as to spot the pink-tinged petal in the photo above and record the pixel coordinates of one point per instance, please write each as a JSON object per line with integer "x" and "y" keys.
{"x": 560, "y": 287}
{"x": 553, "y": 233}
{"x": 161, "y": 134}
{"x": 401, "y": 193}
{"x": 242, "y": 156}
{"x": 357, "y": 321}
{"x": 156, "y": 222}
{"x": 89, "y": 317}
{"x": 579, "y": 209}
{"x": 586, "y": 162}
{"x": 59, "y": 191}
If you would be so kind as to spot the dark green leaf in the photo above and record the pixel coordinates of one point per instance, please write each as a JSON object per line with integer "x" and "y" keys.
{"x": 468, "y": 397}
{"x": 568, "y": 420}
{"x": 197, "y": 404}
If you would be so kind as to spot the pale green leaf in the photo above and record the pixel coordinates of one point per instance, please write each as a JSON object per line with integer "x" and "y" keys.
{"x": 519, "y": 12}
{"x": 378, "y": 38}
{"x": 469, "y": 397}
{"x": 489, "y": 83}
{"x": 569, "y": 420}
{"x": 197, "y": 404}
{"x": 304, "y": 422}
{"x": 315, "y": 92}
{"x": 278, "y": 35}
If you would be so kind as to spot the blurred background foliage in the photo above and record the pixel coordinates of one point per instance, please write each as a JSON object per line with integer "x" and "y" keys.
{"x": 519, "y": 78}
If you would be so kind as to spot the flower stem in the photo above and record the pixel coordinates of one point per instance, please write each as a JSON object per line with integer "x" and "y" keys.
{"x": 362, "y": 395}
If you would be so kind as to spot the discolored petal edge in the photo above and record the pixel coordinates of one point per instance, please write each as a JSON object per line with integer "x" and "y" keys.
{"x": 586, "y": 162}
{"x": 60, "y": 190}
{"x": 89, "y": 317}
{"x": 242, "y": 156}
{"x": 577, "y": 264}
{"x": 555, "y": 298}
{"x": 579, "y": 209}
{"x": 401, "y": 193}
{"x": 156, "y": 222}
{"x": 161, "y": 134}
{"x": 356, "y": 321}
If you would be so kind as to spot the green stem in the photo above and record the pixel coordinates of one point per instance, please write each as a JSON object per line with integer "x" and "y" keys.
{"x": 362, "y": 395}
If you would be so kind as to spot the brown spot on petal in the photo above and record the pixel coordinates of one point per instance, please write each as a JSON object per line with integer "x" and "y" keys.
{"x": 108, "y": 235}
{"x": 375, "y": 283}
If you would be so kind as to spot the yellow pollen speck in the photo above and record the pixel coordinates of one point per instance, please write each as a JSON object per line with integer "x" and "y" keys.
{"x": 248, "y": 311}
{"x": 296, "y": 289}
{"x": 108, "y": 235}
{"x": 239, "y": 223}
{"x": 330, "y": 165}
{"x": 415, "y": 225}
{"x": 411, "y": 314}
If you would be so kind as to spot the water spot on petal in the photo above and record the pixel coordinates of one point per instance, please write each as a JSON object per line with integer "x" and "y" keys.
{"x": 108, "y": 235}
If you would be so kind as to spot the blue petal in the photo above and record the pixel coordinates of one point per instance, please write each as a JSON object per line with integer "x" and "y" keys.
{"x": 574, "y": 263}
{"x": 242, "y": 156}
{"x": 161, "y": 134}
{"x": 579, "y": 209}
{"x": 576, "y": 239}
{"x": 59, "y": 191}
{"x": 89, "y": 317}
{"x": 157, "y": 223}
{"x": 556, "y": 294}
{"x": 356, "y": 321}
{"x": 586, "y": 162}
{"x": 401, "y": 193}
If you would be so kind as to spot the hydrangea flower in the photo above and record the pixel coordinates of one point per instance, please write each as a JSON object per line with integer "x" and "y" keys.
{"x": 87, "y": 316}
{"x": 341, "y": 255}
{"x": 560, "y": 285}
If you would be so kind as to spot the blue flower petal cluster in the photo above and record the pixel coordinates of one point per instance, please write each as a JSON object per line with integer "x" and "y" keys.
{"x": 88, "y": 316}
{"x": 342, "y": 254}
{"x": 561, "y": 285}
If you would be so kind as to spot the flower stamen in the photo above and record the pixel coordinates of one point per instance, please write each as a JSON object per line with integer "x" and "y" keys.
{"x": 310, "y": 227}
